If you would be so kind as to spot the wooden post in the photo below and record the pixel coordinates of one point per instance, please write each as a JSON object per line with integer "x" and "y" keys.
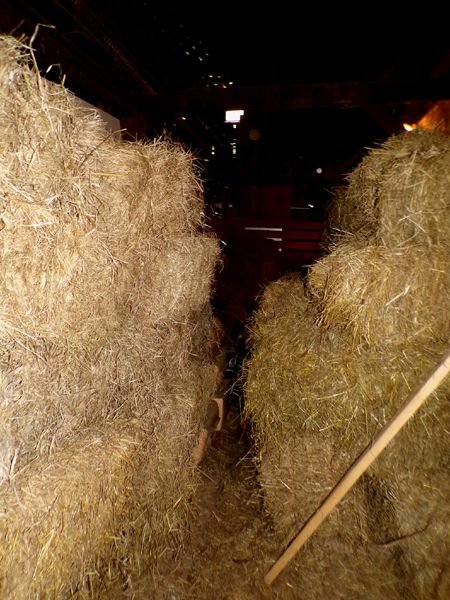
{"x": 368, "y": 456}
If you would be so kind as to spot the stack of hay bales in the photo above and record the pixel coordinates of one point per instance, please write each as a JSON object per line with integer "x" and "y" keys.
{"x": 104, "y": 327}
{"x": 335, "y": 357}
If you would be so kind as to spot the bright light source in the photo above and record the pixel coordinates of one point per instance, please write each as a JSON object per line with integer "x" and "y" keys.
{"x": 183, "y": 118}
{"x": 233, "y": 116}
{"x": 408, "y": 127}
{"x": 311, "y": 205}
{"x": 319, "y": 170}
{"x": 263, "y": 228}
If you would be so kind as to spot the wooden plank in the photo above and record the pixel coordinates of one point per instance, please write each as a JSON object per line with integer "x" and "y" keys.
{"x": 288, "y": 224}
{"x": 285, "y": 236}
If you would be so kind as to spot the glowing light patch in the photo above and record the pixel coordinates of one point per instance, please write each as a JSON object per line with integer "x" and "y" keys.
{"x": 233, "y": 116}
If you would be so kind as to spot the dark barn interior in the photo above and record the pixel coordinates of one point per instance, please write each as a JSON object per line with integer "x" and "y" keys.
{"x": 225, "y": 244}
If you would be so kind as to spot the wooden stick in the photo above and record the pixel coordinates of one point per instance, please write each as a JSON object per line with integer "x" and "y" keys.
{"x": 361, "y": 464}
{"x": 214, "y": 417}
{"x": 200, "y": 450}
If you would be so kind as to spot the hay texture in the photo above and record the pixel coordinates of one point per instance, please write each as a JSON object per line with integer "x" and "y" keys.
{"x": 399, "y": 193}
{"x": 333, "y": 361}
{"x": 88, "y": 483}
{"x": 381, "y": 296}
{"x": 104, "y": 321}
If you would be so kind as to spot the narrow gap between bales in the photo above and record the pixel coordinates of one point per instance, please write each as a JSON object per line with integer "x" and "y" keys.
{"x": 230, "y": 542}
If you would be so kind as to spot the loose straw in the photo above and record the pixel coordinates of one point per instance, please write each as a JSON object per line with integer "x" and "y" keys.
{"x": 362, "y": 463}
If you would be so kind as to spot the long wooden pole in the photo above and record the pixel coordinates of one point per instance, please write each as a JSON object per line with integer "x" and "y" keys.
{"x": 362, "y": 463}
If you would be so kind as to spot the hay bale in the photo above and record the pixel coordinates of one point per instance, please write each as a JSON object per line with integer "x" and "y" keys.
{"x": 180, "y": 278}
{"x": 103, "y": 322}
{"x": 85, "y": 219}
{"x": 101, "y": 255}
{"x": 111, "y": 497}
{"x": 316, "y": 402}
{"x": 60, "y": 516}
{"x": 327, "y": 384}
{"x": 331, "y": 365}
{"x": 51, "y": 392}
{"x": 384, "y": 297}
{"x": 398, "y": 194}
{"x": 338, "y": 561}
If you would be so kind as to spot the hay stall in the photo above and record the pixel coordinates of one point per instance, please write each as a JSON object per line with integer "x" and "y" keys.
{"x": 334, "y": 358}
{"x": 104, "y": 322}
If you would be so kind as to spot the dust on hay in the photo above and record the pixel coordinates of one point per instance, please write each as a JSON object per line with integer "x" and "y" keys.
{"x": 331, "y": 365}
{"x": 104, "y": 315}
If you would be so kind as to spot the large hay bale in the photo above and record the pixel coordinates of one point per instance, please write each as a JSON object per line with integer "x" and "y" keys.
{"x": 87, "y": 222}
{"x": 399, "y": 194}
{"x": 104, "y": 320}
{"x": 331, "y": 366}
{"x": 316, "y": 404}
{"x": 381, "y": 296}
{"x": 50, "y": 392}
{"x": 61, "y": 515}
{"x": 301, "y": 408}
{"x": 391, "y": 286}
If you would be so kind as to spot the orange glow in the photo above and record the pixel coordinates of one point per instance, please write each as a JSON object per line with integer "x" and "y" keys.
{"x": 438, "y": 117}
